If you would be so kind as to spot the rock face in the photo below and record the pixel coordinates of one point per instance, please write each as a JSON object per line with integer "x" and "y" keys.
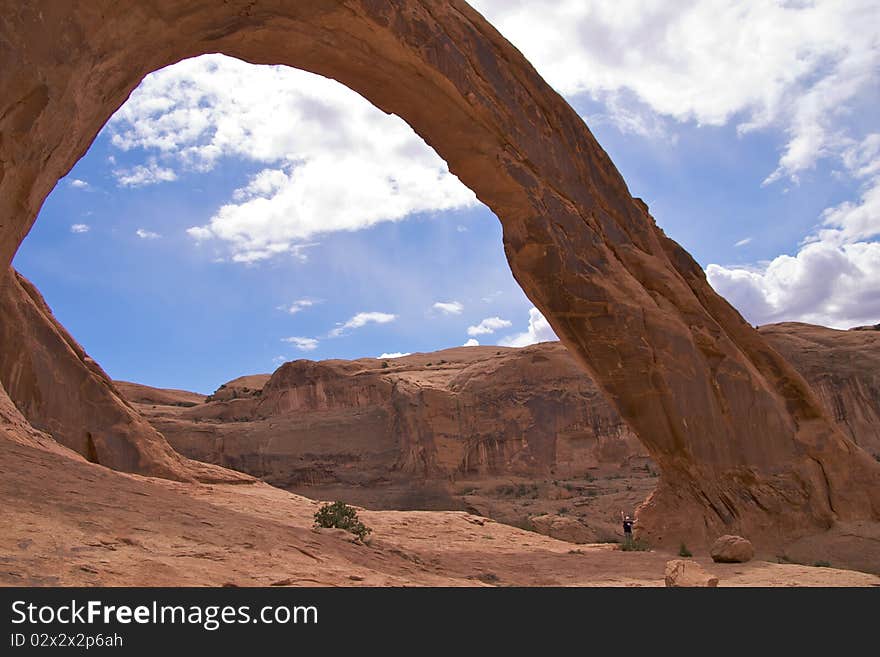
{"x": 732, "y": 549}
{"x": 842, "y": 368}
{"x": 65, "y": 394}
{"x": 681, "y": 573}
{"x": 742, "y": 443}
{"x": 462, "y": 412}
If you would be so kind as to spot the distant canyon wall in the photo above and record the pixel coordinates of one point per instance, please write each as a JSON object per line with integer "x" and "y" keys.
{"x": 464, "y": 413}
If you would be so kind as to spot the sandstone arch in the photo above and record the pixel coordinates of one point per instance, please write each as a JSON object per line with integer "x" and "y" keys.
{"x": 742, "y": 444}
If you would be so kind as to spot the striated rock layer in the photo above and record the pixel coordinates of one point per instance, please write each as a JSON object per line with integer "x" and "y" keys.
{"x": 456, "y": 413}
{"x": 743, "y": 444}
{"x": 369, "y": 427}
{"x": 842, "y": 368}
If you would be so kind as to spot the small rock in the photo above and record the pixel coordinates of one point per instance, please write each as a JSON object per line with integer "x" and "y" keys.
{"x": 732, "y": 549}
{"x": 680, "y": 573}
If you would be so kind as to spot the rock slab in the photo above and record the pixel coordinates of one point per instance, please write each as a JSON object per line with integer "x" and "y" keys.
{"x": 683, "y": 573}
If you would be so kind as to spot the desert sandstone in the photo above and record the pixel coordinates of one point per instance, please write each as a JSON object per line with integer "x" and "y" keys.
{"x": 743, "y": 444}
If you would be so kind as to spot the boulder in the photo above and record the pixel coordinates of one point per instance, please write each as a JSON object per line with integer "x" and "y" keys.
{"x": 684, "y": 573}
{"x": 732, "y": 549}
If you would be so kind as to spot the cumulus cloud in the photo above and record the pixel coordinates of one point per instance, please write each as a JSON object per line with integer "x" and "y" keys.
{"x": 488, "y": 325}
{"x": 472, "y": 342}
{"x": 832, "y": 279}
{"x": 823, "y": 284}
{"x": 791, "y": 65}
{"x": 147, "y": 234}
{"x": 298, "y": 306}
{"x": 449, "y": 307}
{"x": 80, "y": 228}
{"x": 539, "y": 330}
{"x": 362, "y": 319}
{"x": 334, "y": 163}
{"x": 144, "y": 174}
{"x": 395, "y": 354}
{"x": 76, "y": 183}
{"x": 303, "y": 344}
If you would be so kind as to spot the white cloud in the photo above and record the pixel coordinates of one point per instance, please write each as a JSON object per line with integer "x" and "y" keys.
{"x": 76, "y": 183}
{"x": 833, "y": 278}
{"x": 823, "y": 284}
{"x": 395, "y": 354}
{"x": 362, "y": 319}
{"x": 298, "y": 306}
{"x": 279, "y": 360}
{"x": 449, "y": 307}
{"x": 335, "y": 162}
{"x": 539, "y": 330}
{"x": 303, "y": 344}
{"x": 488, "y": 325}
{"x": 472, "y": 342}
{"x": 80, "y": 228}
{"x": 142, "y": 175}
{"x": 743, "y": 242}
{"x": 147, "y": 234}
{"x": 850, "y": 222}
{"x": 792, "y": 65}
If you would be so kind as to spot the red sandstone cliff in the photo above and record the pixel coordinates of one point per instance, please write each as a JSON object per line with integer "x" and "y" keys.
{"x": 464, "y": 412}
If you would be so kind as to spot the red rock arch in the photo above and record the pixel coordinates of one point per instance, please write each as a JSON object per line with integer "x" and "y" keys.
{"x": 741, "y": 442}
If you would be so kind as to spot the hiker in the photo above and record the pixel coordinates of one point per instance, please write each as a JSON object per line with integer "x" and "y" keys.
{"x": 627, "y": 528}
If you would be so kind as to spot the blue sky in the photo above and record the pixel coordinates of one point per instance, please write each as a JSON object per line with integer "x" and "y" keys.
{"x": 230, "y": 217}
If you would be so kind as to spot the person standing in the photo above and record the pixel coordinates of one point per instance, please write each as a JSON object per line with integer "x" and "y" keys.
{"x": 627, "y": 529}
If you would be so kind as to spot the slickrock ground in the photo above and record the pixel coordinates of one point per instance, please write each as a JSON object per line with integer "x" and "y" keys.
{"x": 70, "y": 522}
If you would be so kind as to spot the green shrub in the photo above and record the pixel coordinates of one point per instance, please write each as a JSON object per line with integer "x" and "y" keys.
{"x": 385, "y": 365}
{"x": 635, "y": 546}
{"x": 341, "y": 516}
{"x": 684, "y": 552}
{"x": 822, "y": 564}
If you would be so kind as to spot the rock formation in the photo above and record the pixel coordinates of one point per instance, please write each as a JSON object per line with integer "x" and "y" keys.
{"x": 460, "y": 412}
{"x": 65, "y": 394}
{"x": 842, "y": 368}
{"x": 743, "y": 444}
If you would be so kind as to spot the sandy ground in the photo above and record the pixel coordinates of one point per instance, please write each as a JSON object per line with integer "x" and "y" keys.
{"x": 69, "y": 522}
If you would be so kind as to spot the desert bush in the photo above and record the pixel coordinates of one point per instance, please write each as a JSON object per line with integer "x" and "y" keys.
{"x": 684, "y": 552}
{"x": 341, "y": 516}
{"x": 635, "y": 546}
{"x": 822, "y": 564}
